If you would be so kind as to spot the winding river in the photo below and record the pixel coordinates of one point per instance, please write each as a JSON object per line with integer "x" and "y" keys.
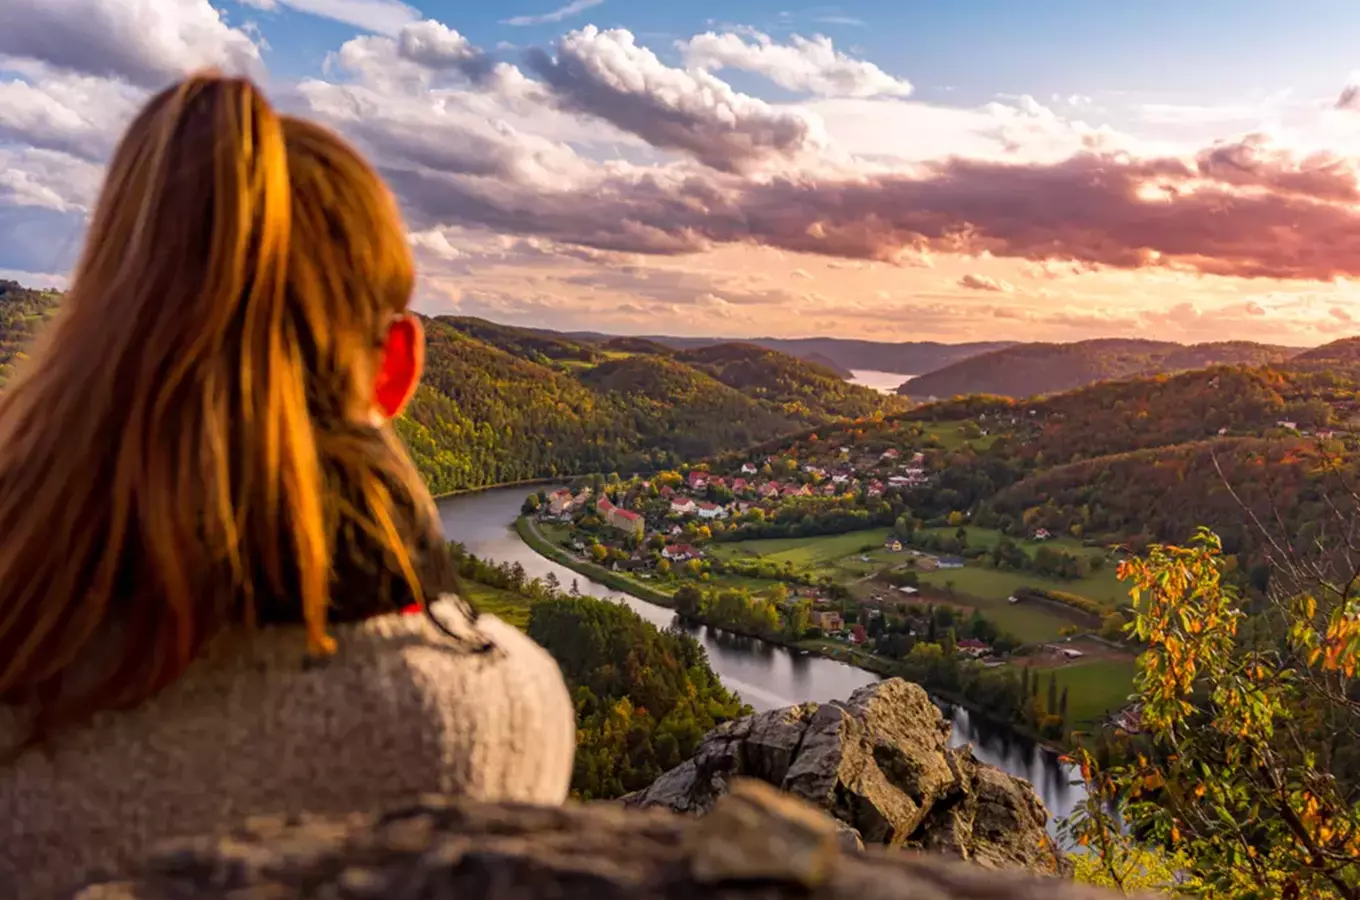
{"x": 766, "y": 676}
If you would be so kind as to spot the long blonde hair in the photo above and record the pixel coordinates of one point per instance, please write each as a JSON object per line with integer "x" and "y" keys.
{"x": 164, "y": 458}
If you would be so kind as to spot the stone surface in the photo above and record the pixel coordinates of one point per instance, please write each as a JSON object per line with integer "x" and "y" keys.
{"x": 879, "y": 763}
{"x": 756, "y": 844}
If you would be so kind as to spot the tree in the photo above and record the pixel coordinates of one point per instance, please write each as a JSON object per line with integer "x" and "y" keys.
{"x": 530, "y": 506}
{"x": 955, "y": 519}
{"x": 599, "y": 552}
{"x": 663, "y": 567}
{"x": 1112, "y": 626}
{"x": 1053, "y": 692}
{"x": 1246, "y": 720}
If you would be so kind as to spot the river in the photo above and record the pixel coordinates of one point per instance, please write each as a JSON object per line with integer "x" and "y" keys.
{"x": 766, "y": 676}
{"x": 883, "y": 382}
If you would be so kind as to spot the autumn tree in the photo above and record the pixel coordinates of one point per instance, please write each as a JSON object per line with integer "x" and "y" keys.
{"x": 1247, "y": 718}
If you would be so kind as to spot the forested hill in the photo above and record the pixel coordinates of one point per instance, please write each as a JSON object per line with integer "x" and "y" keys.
{"x": 1027, "y": 370}
{"x": 504, "y": 404}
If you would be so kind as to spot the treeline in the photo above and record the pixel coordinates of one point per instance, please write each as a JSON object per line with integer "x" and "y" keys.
{"x": 644, "y": 696}
{"x": 22, "y": 313}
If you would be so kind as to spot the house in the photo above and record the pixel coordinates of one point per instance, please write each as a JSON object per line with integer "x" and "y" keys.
{"x": 918, "y": 458}
{"x": 908, "y": 590}
{"x": 858, "y": 635}
{"x": 974, "y": 647}
{"x": 739, "y": 485}
{"x": 1285, "y": 423}
{"x": 875, "y": 489}
{"x": 1071, "y": 653}
{"x": 621, "y": 519}
{"x": 748, "y": 468}
{"x": 770, "y": 490}
{"x": 892, "y": 545}
{"x": 829, "y": 489}
{"x": 827, "y": 620}
{"x": 1130, "y": 719}
{"x": 839, "y": 479}
{"x": 949, "y": 562}
{"x": 889, "y": 454}
{"x": 697, "y": 480}
{"x": 559, "y": 502}
{"x": 1326, "y": 434}
{"x": 679, "y": 552}
{"x": 797, "y": 490}
{"x": 1042, "y": 534}
{"x": 684, "y": 506}
{"x": 711, "y": 511}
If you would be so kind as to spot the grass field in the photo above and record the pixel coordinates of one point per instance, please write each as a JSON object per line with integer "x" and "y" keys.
{"x": 821, "y": 555}
{"x": 1094, "y": 688}
{"x": 509, "y": 607}
{"x": 950, "y": 436}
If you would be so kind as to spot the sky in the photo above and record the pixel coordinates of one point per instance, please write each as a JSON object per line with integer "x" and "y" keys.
{"x": 887, "y": 169}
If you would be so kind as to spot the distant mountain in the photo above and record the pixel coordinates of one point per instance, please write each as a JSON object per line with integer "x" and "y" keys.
{"x": 907, "y": 357}
{"x": 539, "y": 346}
{"x": 1345, "y": 353}
{"x": 1029, "y": 369}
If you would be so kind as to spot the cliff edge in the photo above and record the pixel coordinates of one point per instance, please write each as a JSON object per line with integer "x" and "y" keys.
{"x": 879, "y": 763}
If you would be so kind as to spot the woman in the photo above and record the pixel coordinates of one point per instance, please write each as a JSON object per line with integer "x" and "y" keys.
{"x": 208, "y": 530}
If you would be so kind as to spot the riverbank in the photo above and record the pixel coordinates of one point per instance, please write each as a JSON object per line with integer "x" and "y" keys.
{"x": 528, "y": 482}
{"x": 529, "y": 532}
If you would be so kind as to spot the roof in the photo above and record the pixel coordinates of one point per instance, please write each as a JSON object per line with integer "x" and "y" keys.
{"x": 676, "y": 549}
{"x": 630, "y": 516}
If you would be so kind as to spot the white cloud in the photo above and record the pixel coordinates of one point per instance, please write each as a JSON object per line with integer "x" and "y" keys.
{"x": 811, "y": 65}
{"x": 382, "y": 16}
{"x": 576, "y": 7}
{"x": 267, "y": 5}
{"x": 145, "y": 42}
{"x": 607, "y": 74}
{"x": 76, "y": 114}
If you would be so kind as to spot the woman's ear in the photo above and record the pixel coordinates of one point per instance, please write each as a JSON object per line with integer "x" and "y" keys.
{"x": 403, "y": 361}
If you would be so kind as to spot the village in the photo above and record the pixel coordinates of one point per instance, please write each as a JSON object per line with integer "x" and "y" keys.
{"x": 818, "y": 538}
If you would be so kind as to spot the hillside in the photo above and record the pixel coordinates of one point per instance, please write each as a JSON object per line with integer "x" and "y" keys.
{"x": 1031, "y": 369}
{"x": 536, "y": 346}
{"x": 22, "y": 313}
{"x": 796, "y": 387}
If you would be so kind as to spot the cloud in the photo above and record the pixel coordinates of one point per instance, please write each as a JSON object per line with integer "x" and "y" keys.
{"x": 144, "y": 42}
{"x": 1349, "y": 99}
{"x": 75, "y": 114}
{"x": 382, "y": 16}
{"x": 608, "y": 75}
{"x": 977, "y": 282}
{"x": 811, "y": 65}
{"x": 1340, "y": 314}
{"x": 576, "y": 7}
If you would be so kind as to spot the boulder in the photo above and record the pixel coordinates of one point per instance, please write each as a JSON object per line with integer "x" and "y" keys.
{"x": 881, "y": 764}
{"x": 755, "y": 843}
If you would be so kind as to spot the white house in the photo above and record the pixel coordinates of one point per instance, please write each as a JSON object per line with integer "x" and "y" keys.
{"x": 711, "y": 511}
{"x": 683, "y": 506}
{"x": 748, "y": 468}
{"x": 1285, "y": 423}
{"x": 679, "y": 552}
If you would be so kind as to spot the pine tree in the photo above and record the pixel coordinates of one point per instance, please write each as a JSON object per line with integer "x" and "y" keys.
{"x": 1062, "y": 704}
{"x": 1024, "y": 682}
{"x": 1052, "y": 692}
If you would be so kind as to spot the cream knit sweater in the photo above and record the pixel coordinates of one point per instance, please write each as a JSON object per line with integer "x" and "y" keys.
{"x": 399, "y": 711}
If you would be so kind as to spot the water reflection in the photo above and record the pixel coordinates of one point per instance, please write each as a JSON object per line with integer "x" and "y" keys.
{"x": 765, "y": 675}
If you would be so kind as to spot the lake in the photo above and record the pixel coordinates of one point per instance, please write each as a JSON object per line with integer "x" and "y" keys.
{"x": 766, "y": 676}
{"x": 883, "y": 382}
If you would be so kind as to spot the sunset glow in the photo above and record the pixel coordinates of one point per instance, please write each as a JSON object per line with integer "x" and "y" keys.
{"x": 744, "y": 170}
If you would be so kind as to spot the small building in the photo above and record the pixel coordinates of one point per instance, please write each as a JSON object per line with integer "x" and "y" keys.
{"x": 875, "y": 489}
{"x": 1072, "y": 653}
{"x": 697, "y": 480}
{"x": 770, "y": 489}
{"x": 684, "y": 506}
{"x": 892, "y": 545}
{"x": 974, "y": 648}
{"x": 858, "y": 635}
{"x": 1285, "y": 423}
{"x": 827, "y": 620}
{"x": 679, "y": 552}
{"x": 949, "y": 562}
{"x": 739, "y": 485}
{"x": 559, "y": 502}
{"x": 889, "y": 454}
{"x": 909, "y": 590}
{"x": 711, "y": 511}
{"x": 621, "y": 519}
{"x": 749, "y": 468}
{"x": 1042, "y": 534}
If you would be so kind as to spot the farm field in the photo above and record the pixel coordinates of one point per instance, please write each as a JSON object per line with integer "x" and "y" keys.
{"x": 950, "y": 436}
{"x": 821, "y": 555}
{"x": 1093, "y": 688}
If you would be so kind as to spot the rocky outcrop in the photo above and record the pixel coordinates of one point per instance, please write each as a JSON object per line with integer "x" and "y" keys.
{"x": 754, "y": 843}
{"x": 881, "y": 765}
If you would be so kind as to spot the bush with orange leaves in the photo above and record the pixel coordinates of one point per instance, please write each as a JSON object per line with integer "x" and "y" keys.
{"x": 1246, "y": 772}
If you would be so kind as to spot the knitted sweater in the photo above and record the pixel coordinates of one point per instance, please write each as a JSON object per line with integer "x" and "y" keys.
{"x": 249, "y": 730}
